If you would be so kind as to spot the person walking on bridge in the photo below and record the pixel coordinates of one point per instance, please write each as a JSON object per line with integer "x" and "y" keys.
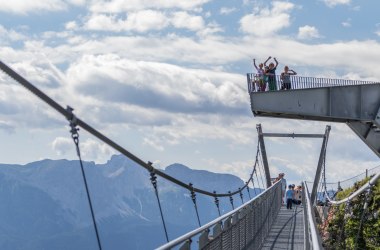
{"x": 289, "y": 197}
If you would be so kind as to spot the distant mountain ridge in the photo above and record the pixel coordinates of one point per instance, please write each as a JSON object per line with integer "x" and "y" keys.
{"x": 44, "y": 205}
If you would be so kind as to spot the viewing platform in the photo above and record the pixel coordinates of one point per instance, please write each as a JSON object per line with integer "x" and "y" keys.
{"x": 354, "y": 102}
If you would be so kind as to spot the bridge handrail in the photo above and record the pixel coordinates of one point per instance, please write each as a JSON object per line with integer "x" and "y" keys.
{"x": 370, "y": 183}
{"x": 201, "y": 229}
{"x": 309, "y": 221}
{"x": 302, "y": 82}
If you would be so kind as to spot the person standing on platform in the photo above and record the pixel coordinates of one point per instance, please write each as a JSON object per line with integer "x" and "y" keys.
{"x": 260, "y": 76}
{"x": 285, "y": 78}
{"x": 272, "y": 74}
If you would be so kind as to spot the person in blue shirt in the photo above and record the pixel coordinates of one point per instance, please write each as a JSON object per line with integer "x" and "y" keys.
{"x": 289, "y": 197}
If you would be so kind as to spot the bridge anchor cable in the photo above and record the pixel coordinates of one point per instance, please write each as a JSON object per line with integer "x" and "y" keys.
{"x": 74, "y": 134}
{"x": 153, "y": 179}
{"x": 194, "y": 199}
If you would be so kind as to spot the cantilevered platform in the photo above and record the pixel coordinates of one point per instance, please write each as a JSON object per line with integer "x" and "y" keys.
{"x": 356, "y": 103}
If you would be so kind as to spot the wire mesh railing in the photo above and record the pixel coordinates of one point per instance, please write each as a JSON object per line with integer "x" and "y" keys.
{"x": 258, "y": 83}
{"x": 246, "y": 227}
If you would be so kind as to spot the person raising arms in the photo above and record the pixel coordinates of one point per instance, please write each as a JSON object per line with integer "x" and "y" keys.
{"x": 272, "y": 73}
{"x": 260, "y": 76}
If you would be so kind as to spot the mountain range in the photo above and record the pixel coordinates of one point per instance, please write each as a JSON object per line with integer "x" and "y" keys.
{"x": 44, "y": 204}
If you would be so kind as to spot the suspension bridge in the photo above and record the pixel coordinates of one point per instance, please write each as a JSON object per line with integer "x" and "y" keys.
{"x": 262, "y": 222}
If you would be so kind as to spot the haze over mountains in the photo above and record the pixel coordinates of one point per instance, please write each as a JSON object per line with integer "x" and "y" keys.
{"x": 44, "y": 204}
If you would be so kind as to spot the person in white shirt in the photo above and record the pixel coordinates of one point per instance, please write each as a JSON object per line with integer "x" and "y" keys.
{"x": 260, "y": 76}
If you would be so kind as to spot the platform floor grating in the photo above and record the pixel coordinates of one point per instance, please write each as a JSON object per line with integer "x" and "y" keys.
{"x": 287, "y": 231}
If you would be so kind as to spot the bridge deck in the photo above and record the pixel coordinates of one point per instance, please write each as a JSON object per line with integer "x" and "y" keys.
{"x": 287, "y": 231}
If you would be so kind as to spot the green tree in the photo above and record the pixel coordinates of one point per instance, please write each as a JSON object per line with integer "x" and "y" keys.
{"x": 343, "y": 229}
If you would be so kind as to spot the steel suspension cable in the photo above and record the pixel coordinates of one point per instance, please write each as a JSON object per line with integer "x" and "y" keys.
{"x": 153, "y": 179}
{"x": 249, "y": 193}
{"x": 320, "y": 190}
{"x": 69, "y": 115}
{"x": 194, "y": 199}
{"x": 241, "y": 196}
{"x": 257, "y": 179}
{"x": 339, "y": 183}
{"x": 253, "y": 185}
{"x": 371, "y": 182}
{"x": 262, "y": 165}
{"x": 216, "y": 201}
{"x": 231, "y": 201}
{"x": 75, "y": 136}
{"x": 254, "y": 172}
{"x": 18, "y": 78}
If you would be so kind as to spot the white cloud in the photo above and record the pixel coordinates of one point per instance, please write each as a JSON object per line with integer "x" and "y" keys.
{"x": 333, "y": 3}
{"x": 90, "y": 149}
{"x": 347, "y": 23}
{"x": 377, "y": 32}
{"x": 143, "y": 21}
{"x": 10, "y": 35}
{"x": 71, "y": 25}
{"x": 264, "y": 22}
{"x": 77, "y": 2}
{"x": 308, "y": 32}
{"x": 7, "y": 126}
{"x": 153, "y": 142}
{"x": 62, "y": 145}
{"x": 174, "y": 103}
{"x": 211, "y": 29}
{"x": 146, "y": 20}
{"x": 227, "y": 11}
{"x": 23, "y": 7}
{"x": 140, "y": 21}
{"x": 118, "y": 6}
{"x": 184, "y": 20}
{"x": 193, "y": 90}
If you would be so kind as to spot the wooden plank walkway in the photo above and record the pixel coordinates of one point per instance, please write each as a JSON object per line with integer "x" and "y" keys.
{"x": 287, "y": 231}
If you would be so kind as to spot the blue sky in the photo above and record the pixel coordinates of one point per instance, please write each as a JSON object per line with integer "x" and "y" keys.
{"x": 166, "y": 79}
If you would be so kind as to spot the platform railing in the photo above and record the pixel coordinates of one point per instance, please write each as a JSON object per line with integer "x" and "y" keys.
{"x": 246, "y": 227}
{"x": 299, "y": 82}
